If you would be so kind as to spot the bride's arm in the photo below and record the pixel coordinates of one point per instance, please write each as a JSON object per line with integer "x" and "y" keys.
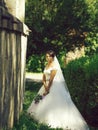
{"x": 44, "y": 80}
{"x": 53, "y": 73}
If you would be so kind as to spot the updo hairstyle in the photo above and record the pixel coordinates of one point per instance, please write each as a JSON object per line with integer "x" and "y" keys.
{"x": 51, "y": 53}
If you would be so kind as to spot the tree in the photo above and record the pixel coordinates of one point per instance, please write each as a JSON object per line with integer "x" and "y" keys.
{"x": 59, "y": 24}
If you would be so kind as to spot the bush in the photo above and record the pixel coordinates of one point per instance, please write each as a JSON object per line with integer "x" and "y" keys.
{"x": 82, "y": 79}
{"x": 91, "y": 44}
{"x": 35, "y": 63}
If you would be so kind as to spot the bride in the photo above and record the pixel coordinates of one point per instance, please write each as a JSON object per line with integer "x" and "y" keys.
{"x": 53, "y": 105}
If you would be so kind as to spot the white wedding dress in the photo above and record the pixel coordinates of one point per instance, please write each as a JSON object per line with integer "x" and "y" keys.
{"x": 57, "y": 109}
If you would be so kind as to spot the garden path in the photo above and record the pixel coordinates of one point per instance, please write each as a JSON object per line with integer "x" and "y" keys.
{"x": 33, "y": 76}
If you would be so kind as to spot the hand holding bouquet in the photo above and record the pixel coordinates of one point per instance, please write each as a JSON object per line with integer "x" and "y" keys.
{"x": 39, "y": 97}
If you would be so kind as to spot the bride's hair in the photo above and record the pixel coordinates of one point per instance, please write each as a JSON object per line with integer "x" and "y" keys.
{"x": 51, "y": 53}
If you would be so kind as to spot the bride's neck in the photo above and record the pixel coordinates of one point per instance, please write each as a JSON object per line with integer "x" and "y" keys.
{"x": 50, "y": 63}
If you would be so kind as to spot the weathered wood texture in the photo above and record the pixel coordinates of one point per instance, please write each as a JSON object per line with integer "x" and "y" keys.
{"x": 13, "y": 43}
{"x": 12, "y": 69}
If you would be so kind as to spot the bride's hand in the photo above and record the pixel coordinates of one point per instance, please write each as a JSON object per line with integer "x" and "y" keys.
{"x": 46, "y": 87}
{"x": 46, "y": 91}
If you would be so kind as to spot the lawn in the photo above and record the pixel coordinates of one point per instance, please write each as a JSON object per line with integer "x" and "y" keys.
{"x": 26, "y": 122}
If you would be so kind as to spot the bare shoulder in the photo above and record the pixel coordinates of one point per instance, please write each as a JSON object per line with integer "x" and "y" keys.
{"x": 53, "y": 64}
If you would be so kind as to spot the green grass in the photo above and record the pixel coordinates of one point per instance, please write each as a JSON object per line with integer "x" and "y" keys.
{"x": 26, "y": 122}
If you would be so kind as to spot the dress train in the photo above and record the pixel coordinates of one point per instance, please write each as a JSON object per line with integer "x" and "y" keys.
{"x": 57, "y": 109}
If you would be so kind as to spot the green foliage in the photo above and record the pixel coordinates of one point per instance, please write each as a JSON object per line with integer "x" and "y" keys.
{"x": 35, "y": 63}
{"x": 82, "y": 78}
{"x": 61, "y": 58}
{"x": 59, "y": 24}
{"x": 30, "y": 93}
{"x": 91, "y": 43}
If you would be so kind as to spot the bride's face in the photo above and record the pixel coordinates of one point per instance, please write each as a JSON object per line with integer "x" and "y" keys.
{"x": 49, "y": 58}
